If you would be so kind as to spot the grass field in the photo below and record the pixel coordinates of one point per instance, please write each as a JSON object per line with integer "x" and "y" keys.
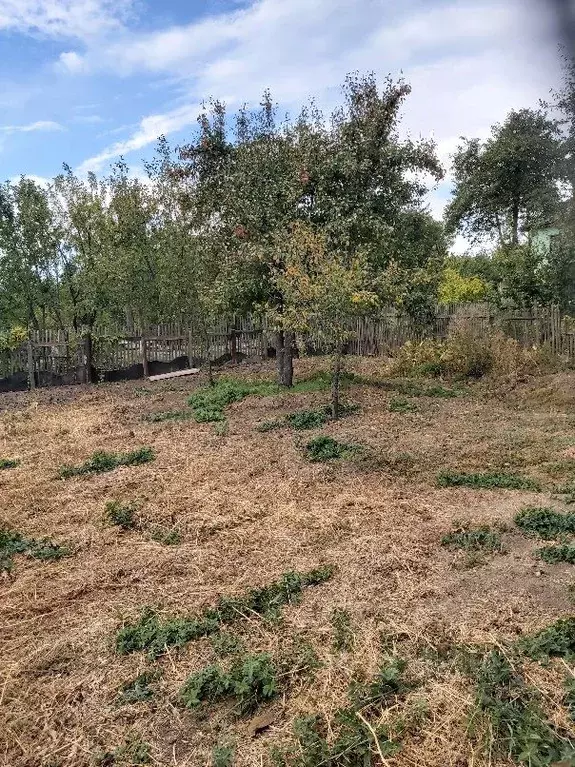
{"x": 215, "y": 509}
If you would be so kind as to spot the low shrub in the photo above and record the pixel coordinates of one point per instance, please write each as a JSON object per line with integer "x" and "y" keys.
{"x": 544, "y": 522}
{"x": 102, "y": 461}
{"x": 154, "y": 635}
{"x": 487, "y": 480}
{"x": 9, "y": 463}
{"x": 470, "y": 351}
{"x": 324, "y": 448}
{"x": 569, "y": 696}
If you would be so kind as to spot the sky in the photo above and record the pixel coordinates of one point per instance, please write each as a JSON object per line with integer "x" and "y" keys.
{"x": 85, "y": 81}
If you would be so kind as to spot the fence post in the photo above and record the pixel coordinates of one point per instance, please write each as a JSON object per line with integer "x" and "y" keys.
{"x": 144, "y": 353}
{"x": 87, "y": 344}
{"x": 31, "y": 371}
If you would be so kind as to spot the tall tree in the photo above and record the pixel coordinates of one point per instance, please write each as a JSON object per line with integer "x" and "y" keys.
{"x": 30, "y": 268}
{"x": 509, "y": 183}
{"x": 350, "y": 177}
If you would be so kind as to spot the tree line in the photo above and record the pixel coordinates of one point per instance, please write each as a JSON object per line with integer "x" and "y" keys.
{"x": 307, "y": 221}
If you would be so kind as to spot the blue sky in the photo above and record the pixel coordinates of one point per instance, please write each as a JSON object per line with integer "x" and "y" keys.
{"x": 83, "y": 81}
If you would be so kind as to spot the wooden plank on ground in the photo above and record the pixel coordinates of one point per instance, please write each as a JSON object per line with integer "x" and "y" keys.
{"x": 176, "y": 374}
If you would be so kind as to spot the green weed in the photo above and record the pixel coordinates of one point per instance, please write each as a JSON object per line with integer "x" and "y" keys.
{"x": 139, "y": 689}
{"x": 224, "y": 643}
{"x": 155, "y": 635}
{"x": 222, "y": 755}
{"x": 121, "y": 515}
{"x": 266, "y": 426}
{"x": 12, "y": 543}
{"x": 101, "y": 462}
{"x": 167, "y": 536}
{"x": 474, "y": 539}
{"x": 401, "y": 405}
{"x": 409, "y": 388}
{"x": 567, "y": 491}
{"x": 511, "y": 714}
{"x": 569, "y": 696}
{"x": 554, "y": 554}
{"x": 9, "y": 463}
{"x": 250, "y": 681}
{"x": 168, "y": 415}
{"x": 352, "y": 743}
{"x": 342, "y": 632}
{"x": 487, "y": 480}
{"x": 544, "y": 522}
{"x": 134, "y": 751}
{"x": 209, "y": 402}
{"x": 325, "y": 448}
{"x": 221, "y": 428}
{"x": 554, "y": 641}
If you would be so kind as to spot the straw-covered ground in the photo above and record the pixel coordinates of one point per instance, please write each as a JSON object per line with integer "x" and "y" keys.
{"x": 225, "y": 508}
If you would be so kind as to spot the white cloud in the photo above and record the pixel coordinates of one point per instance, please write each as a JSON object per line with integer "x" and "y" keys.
{"x": 39, "y": 125}
{"x": 88, "y": 119}
{"x": 469, "y": 63}
{"x": 71, "y": 61}
{"x": 83, "y": 19}
{"x": 148, "y": 131}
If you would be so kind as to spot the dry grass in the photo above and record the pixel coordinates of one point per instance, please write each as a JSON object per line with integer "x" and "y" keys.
{"x": 250, "y": 507}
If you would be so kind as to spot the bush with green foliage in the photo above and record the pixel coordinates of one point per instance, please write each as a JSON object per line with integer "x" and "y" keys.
{"x": 251, "y": 680}
{"x": 544, "y": 522}
{"x": 487, "y": 480}
{"x": 320, "y": 449}
{"x": 155, "y": 635}
{"x": 102, "y": 461}
{"x": 12, "y": 543}
{"x": 9, "y": 463}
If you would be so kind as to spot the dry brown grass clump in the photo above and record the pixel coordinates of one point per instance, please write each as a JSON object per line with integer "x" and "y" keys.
{"x": 249, "y": 507}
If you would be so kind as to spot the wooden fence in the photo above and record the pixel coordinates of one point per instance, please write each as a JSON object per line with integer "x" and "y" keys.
{"x": 53, "y": 357}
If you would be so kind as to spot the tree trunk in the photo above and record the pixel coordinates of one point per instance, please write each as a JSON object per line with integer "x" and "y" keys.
{"x": 335, "y": 384}
{"x": 88, "y": 358}
{"x": 284, "y": 357}
{"x": 515, "y": 224}
{"x": 207, "y": 352}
